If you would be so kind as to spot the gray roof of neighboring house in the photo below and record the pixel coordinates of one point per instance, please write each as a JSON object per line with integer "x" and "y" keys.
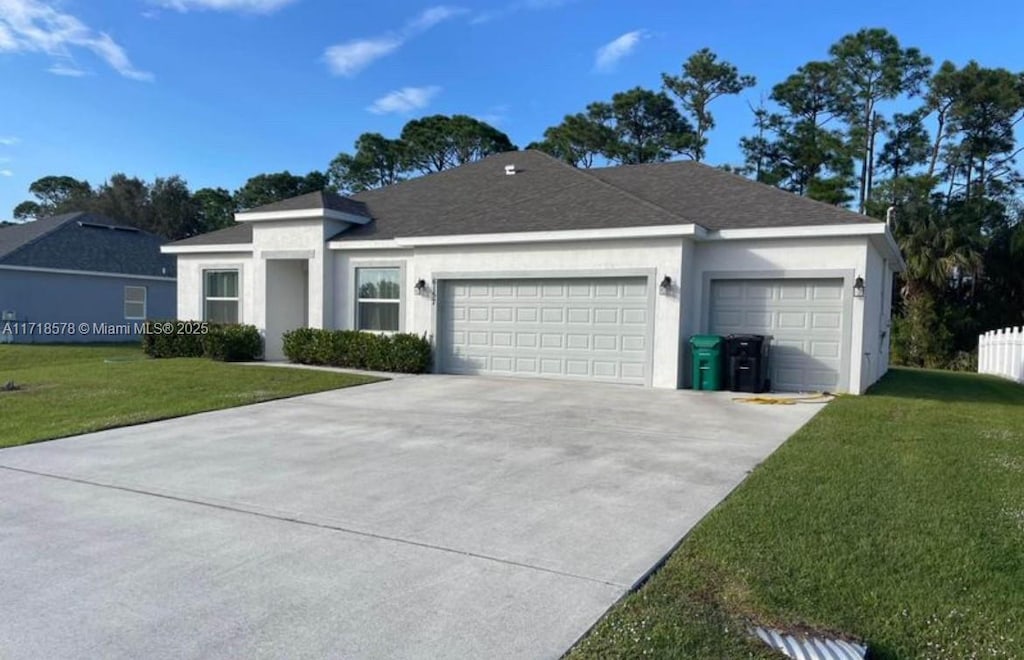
{"x": 546, "y": 194}
{"x": 320, "y": 199}
{"x": 86, "y": 242}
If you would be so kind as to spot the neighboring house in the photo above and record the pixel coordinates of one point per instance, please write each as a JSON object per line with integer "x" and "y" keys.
{"x": 521, "y": 265}
{"x": 81, "y": 277}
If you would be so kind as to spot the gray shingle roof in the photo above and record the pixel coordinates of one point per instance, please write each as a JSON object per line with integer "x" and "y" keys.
{"x": 239, "y": 234}
{"x": 314, "y": 201}
{"x": 86, "y": 242}
{"x": 546, "y": 194}
{"x": 718, "y": 199}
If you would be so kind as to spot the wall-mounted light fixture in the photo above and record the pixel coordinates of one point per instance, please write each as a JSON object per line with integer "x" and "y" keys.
{"x": 421, "y": 287}
{"x": 858, "y": 287}
{"x": 666, "y": 286}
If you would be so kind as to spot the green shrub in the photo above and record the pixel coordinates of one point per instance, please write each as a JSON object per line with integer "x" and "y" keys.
{"x": 224, "y": 342}
{"x": 300, "y": 346}
{"x": 410, "y": 354}
{"x": 233, "y": 343}
{"x": 165, "y": 339}
{"x": 353, "y": 349}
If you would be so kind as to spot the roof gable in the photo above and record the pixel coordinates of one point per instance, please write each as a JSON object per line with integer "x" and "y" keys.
{"x": 237, "y": 234}
{"x": 320, "y": 200}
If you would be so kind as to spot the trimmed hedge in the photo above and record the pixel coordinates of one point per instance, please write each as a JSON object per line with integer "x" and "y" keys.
{"x": 224, "y": 342}
{"x": 233, "y": 343}
{"x": 354, "y": 349}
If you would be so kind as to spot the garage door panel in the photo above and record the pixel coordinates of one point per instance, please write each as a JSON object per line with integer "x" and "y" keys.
{"x": 805, "y": 318}
{"x": 727, "y": 319}
{"x": 552, "y": 315}
{"x": 572, "y": 328}
{"x": 793, "y": 320}
{"x": 827, "y": 292}
{"x": 826, "y": 350}
{"x": 527, "y": 291}
{"x": 757, "y": 320}
{"x": 551, "y": 367}
{"x": 826, "y": 320}
{"x": 793, "y": 292}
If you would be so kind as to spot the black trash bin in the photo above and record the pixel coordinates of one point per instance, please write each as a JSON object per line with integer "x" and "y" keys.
{"x": 746, "y": 359}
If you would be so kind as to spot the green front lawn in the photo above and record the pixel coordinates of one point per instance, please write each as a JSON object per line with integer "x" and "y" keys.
{"x": 76, "y": 389}
{"x": 896, "y": 517}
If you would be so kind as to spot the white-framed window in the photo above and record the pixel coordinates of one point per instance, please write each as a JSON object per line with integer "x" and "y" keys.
{"x": 378, "y": 299}
{"x": 220, "y": 296}
{"x": 135, "y": 303}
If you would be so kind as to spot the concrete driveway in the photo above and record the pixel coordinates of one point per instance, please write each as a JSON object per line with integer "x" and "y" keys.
{"x": 435, "y": 516}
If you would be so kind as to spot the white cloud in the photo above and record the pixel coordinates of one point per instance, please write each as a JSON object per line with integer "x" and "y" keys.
{"x": 405, "y": 100}
{"x": 516, "y": 7}
{"x": 9, "y": 140}
{"x": 612, "y": 52}
{"x": 61, "y": 69}
{"x": 7, "y": 40}
{"x": 428, "y": 18}
{"x": 249, "y": 6}
{"x": 350, "y": 57}
{"x": 36, "y": 27}
{"x": 6, "y": 173}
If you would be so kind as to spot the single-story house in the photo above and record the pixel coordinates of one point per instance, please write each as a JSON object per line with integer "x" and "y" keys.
{"x": 81, "y": 277}
{"x": 521, "y": 265}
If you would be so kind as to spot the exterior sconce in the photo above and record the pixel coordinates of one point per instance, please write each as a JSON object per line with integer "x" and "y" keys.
{"x": 666, "y": 286}
{"x": 858, "y": 287}
{"x": 421, "y": 287}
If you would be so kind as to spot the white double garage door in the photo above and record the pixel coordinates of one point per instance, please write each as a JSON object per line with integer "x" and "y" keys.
{"x": 595, "y": 328}
{"x": 600, "y": 328}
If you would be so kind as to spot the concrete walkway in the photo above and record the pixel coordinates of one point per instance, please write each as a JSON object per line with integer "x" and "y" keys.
{"x": 428, "y": 517}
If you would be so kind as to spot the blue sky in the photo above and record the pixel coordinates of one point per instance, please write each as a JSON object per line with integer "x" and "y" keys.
{"x": 220, "y": 90}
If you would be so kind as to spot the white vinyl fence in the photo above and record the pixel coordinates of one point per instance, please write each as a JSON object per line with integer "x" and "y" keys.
{"x": 1001, "y": 353}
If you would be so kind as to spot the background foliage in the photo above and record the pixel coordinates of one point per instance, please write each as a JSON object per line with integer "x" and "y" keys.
{"x": 874, "y": 125}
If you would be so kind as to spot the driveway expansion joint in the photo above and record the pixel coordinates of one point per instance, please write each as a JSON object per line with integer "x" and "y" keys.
{"x": 315, "y": 524}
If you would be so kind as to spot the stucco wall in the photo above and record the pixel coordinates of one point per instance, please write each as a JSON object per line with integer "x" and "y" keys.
{"x": 42, "y": 297}
{"x": 877, "y": 322}
{"x": 689, "y": 263}
{"x": 558, "y": 259}
{"x": 190, "y": 284}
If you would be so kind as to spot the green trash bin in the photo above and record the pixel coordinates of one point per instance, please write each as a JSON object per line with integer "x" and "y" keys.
{"x": 707, "y": 352}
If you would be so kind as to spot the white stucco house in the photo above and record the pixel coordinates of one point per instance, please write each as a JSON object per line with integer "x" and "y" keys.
{"x": 520, "y": 265}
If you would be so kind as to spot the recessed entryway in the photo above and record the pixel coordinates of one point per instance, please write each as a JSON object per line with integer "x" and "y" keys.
{"x": 287, "y": 302}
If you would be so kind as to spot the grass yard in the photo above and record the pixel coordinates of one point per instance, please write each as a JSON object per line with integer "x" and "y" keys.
{"x": 897, "y": 518}
{"x": 77, "y": 389}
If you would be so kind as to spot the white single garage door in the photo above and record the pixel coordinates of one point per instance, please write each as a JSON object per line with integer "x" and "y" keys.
{"x": 805, "y": 319}
{"x": 581, "y": 328}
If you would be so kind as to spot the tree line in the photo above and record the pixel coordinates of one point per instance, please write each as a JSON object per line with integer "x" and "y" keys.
{"x": 873, "y": 125}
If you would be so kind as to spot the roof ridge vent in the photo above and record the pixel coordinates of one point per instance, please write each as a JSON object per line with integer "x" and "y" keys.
{"x": 100, "y": 225}
{"x": 510, "y": 170}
